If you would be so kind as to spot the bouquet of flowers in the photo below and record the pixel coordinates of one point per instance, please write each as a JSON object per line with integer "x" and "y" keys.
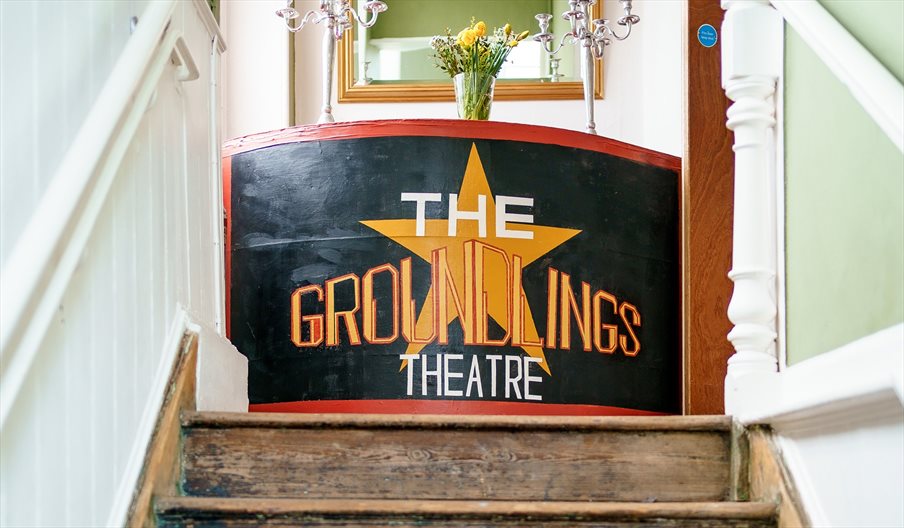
{"x": 473, "y": 59}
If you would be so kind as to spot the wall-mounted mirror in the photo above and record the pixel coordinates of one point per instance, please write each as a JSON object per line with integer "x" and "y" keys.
{"x": 392, "y": 61}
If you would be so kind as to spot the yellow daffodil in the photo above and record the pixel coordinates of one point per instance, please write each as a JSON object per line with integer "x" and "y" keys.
{"x": 475, "y": 50}
{"x": 467, "y": 37}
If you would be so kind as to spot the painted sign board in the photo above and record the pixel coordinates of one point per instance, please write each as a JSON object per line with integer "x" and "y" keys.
{"x": 454, "y": 267}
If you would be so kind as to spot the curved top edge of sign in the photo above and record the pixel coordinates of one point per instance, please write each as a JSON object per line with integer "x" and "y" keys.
{"x": 453, "y": 128}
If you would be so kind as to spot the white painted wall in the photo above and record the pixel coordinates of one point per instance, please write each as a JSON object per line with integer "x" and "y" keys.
{"x": 73, "y": 443}
{"x": 839, "y": 418}
{"x": 256, "y": 83}
{"x": 644, "y": 79}
{"x": 851, "y": 476}
{"x": 47, "y": 89}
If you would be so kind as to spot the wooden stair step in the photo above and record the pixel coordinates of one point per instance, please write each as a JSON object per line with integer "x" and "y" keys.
{"x": 707, "y": 423}
{"x": 242, "y": 512}
{"x": 662, "y": 459}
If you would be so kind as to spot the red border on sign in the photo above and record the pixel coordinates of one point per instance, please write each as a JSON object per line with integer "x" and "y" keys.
{"x": 446, "y": 407}
{"x": 227, "y": 215}
{"x": 453, "y": 128}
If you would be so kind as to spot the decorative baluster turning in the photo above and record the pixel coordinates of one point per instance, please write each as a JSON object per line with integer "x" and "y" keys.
{"x": 751, "y": 66}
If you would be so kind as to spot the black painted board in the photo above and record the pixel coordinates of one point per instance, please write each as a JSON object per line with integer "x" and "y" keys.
{"x": 296, "y": 221}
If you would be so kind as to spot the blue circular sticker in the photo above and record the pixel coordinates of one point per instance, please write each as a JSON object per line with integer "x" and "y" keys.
{"x": 707, "y": 35}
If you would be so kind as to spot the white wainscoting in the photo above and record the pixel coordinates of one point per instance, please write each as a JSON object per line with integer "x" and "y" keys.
{"x": 56, "y": 56}
{"x": 839, "y": 418}
{"x": 76, "y": 432}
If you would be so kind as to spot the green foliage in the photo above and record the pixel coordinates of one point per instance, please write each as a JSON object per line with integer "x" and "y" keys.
{"x": 474, "y": 95}
{"x": 474, "y": 50}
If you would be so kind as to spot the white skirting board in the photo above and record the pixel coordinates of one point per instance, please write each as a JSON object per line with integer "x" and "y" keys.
{"x": 222, "y": 374}
{"x": 839, "y": 419}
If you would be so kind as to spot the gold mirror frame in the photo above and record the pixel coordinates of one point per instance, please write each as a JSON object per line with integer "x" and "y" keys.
{"x": 349, "y": 92}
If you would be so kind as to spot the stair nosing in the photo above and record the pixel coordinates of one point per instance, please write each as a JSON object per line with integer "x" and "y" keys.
{"x": 705, "y": 423}
{"x": 284, "y": 506}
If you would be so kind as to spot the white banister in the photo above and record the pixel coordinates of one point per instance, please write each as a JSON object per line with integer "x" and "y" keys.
{"x": 48, "y": 250}
{"x": 217, "y": 211}
{"x": 122, "y": 254}
{"x": 871, "y": 84}
{"x": 751, "y": 66}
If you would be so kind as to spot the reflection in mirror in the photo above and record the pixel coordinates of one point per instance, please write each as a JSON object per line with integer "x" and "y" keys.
{"x": 393, "y": 60}
{"x": 398, "y": 48}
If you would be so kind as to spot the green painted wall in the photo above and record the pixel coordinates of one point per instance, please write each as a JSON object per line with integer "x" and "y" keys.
{"x": 412, "y": 18}
{"x": 425, "y": 18}
{"x": 877, "y": 25}
{"x": 844, "y": 200}
{"x": 568, "y": 65}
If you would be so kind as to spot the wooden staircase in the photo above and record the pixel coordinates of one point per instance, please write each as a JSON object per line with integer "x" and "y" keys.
{"x": 381, "y": 470}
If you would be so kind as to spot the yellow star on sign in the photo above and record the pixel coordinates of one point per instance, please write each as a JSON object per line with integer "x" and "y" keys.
{"x": 435, "y": 236}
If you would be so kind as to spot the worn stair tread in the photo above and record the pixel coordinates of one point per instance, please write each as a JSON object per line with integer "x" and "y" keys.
{"x": 456, "y": 458}
{"x": 245, "y": 513}
{"x": 222, "y": 420}
{"x": 168, "y": 506}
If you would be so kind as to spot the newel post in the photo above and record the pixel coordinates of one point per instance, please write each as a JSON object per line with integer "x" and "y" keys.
{"x": 751, "y": 66}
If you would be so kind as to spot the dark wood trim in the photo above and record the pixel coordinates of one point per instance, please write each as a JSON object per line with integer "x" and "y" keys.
{"x": 708, "y": 173}
{"x": 161, "y": 472}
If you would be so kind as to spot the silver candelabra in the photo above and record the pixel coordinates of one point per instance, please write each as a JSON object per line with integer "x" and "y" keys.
{"x": 593, "y": 39}
{"x": 338, "y": 15}
{"x": 554, "y": 74}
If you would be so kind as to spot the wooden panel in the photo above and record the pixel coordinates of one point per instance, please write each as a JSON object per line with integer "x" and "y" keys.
{"x": 160, "y": 474}
{"x": 291, "y": 200}
{"x": 255, "y": 512}
{"x": 770, "y": 481}
{"x": 708, "y": 185}
{"x": 213, "y": 420}
{"x": 471, "y": 462}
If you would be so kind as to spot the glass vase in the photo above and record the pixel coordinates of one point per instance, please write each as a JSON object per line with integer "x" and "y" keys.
{"x": 474, "y": 95}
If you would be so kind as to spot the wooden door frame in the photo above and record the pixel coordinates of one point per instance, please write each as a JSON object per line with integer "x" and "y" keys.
{"x": 708, "y": 189}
